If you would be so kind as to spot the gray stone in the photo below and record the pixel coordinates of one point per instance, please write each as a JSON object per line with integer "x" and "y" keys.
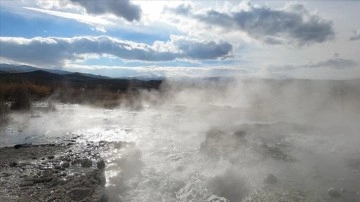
{"x": 333, "y": 192}
{"x": 270, "y": 179}
{"x": 65, "y": 164}
{"x": 100, "y": 195}
{"x": 78, "y": 194}
{"x": 57, "y": 167}
{"x": 240, "y": 133}
{"x": 100, "y": 164}
{"x": 5, "y": 174}
{"x": 12, "y": 164}
{"x": 98, "y": 176}
{"x": 86, "y": 163}
{"x": 42, "y": 180}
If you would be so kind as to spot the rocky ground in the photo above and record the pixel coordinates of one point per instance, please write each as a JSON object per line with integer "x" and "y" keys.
{"x": 62, "y": 172}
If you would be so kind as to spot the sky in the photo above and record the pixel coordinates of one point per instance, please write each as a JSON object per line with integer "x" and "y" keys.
{"x": 213, "y": 38}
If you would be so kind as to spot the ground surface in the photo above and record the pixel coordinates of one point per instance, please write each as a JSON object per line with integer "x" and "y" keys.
{"x": 66, "y": 172}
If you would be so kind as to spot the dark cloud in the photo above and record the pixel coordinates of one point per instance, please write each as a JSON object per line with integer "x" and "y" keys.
{"x": 198, "y": 50}
{"x": 54, "y": 51}
{"x": 183, "y": 9}
{"x": 356, "y": 35}
{"x": 335, "y": 63}
{"x": 121, "y": 8}
{"x": 293, "y": 24}
{"x": 273, "y": 40}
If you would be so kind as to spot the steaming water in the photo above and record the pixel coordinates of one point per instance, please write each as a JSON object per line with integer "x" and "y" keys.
{"x": 205, "y": 151}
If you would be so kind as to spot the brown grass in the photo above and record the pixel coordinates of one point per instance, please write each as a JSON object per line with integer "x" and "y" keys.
{"x": 11, "y": 90}
{"x": 21, "y": 94}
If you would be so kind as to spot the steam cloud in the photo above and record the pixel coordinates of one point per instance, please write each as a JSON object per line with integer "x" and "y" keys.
{"x": 225, "y": 140}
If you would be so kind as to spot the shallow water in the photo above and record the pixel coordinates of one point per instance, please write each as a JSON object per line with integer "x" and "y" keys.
{"x": 204, "y": 153}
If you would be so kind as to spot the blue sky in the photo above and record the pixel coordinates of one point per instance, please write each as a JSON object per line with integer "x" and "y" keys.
{"x": 119, "y": 38}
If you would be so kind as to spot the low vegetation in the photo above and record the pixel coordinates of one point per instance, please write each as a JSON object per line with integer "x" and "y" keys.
{"x": 3, "y": 111}
{"x": 19, "y": 95}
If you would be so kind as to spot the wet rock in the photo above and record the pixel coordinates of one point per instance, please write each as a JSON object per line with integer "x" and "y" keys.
{"x": 240, "y": 133}
{"x": 63, "y": 158}
{"x": 18, "y": 146}
{"x": 5, "y": 174}
{"x": 98, "y": 176}
{"x": 58, "y": 167}
{"x": 42, "y": 180}
{"x": 354, "y": 163}
{"x": 104, "y": 198}
{"x": 78, "y": 194}
{"x": 86, "y": 163}
{"x": 223, "y": 185}
{"x": 118, "y": 145}
{"x": 277, "y": 154}
{"x": 219, "y": 144}
{"x": 58, "y": 182}
{"x": 333, "y": 192}
{"x": 63, "y": 174}
{"x": 100, "y": 164}
{"x": 76, "y": 161}
{"x": 12, "y": 164}
{"x": 270, "y": 179}
{"x": 278, "y": 195}
{"x": 27, "y": 184}
{"x": 65, "y": 164}
{"x": 100, "y": 196}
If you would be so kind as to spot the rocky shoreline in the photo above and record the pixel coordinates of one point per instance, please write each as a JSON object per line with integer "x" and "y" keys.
{"x": 54, "y": 172}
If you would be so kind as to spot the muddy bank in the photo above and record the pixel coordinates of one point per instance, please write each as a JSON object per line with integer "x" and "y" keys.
{"x": 63, "y": 172}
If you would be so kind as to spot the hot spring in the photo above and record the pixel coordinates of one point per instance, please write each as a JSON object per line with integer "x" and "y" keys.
{"x": 239, "y": 141}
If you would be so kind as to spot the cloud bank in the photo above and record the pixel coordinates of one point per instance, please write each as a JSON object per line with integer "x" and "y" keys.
{"x": 335, "y": 63}
{"x": 293, "y": 24}
{"x": 55, "y": 51}
{"x": 120, "y": 8}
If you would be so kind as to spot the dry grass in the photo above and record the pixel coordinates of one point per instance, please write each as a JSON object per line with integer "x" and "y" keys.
{"x": 10, "y": 90}
{"x": 21, "y": 94}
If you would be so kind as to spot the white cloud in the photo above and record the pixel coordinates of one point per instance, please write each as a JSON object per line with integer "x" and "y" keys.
{"x": 56, "y": 51}
{"x": 292, "y": 24}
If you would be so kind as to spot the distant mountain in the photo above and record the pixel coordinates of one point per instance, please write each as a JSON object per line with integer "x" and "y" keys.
{"x": 8, "y": 68}
{"x": 16, "y": 68}
{"x": 146, "y": 77}
{"x": 26, "y": 68}
{"x": 93, "y": 75}
{"x": 78, "y": 80}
